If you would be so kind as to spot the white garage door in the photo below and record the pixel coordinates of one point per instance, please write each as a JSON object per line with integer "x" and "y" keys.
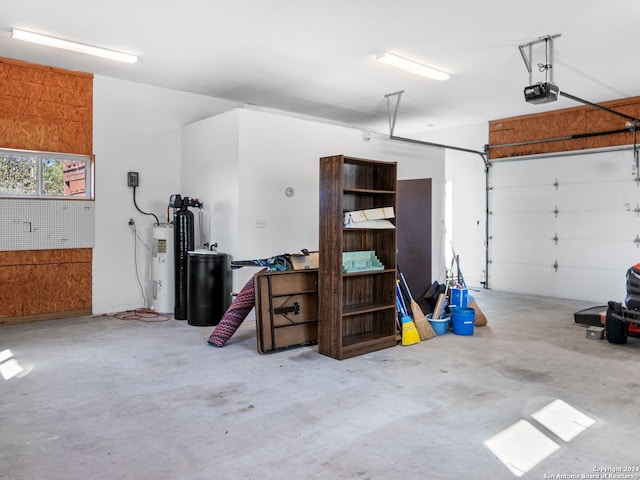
{"x": 564, "y": 226}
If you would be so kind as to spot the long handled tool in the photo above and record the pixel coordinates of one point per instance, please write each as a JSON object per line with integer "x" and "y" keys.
{"x": 481, "y": 319}
{"x": 442, "y": 301}
{"x": 441, "y": 304}
{"x": 410, "y": 333}
{"x": 425, "y": 329}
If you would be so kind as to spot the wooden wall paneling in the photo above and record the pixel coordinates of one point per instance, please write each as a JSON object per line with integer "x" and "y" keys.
{"x": 35, "y": 257}
{"x": 569, "y": 122}
{"x": 39, "y": 282}
{"x": 45, "y": 108}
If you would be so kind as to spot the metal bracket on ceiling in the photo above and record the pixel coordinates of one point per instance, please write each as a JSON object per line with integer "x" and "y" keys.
{"x": 392, "y": 118}
{"x": 528, "y": 59}
{"x": 636, "y": 151}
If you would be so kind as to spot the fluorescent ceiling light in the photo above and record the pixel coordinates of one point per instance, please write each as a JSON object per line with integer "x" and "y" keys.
{"x": 73, "y": 46}
{"x": 412, "y": 67}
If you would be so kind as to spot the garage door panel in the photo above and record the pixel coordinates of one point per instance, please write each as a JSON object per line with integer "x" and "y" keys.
{"x": 602, "y": 196}
{"x": 524, "y": 251}
{"x": 519, "y": 225}
{"x": 522, "y": 278}
{"x": 572, "y": 283}
{"x": 602, "y": 255}
{"x": 598, "y": 286}
{"x": 597, "y": 221}
{"x": 597, "y": 226}
{"x": 519, "y": 173}
{"x": 582, "y": 168}
{"x": 523, "y": 199}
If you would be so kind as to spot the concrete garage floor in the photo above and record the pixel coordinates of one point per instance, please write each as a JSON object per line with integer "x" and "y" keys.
{"x": 102, "y": 398}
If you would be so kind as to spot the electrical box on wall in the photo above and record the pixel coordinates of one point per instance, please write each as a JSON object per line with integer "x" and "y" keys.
{"x": 132, "y": 179}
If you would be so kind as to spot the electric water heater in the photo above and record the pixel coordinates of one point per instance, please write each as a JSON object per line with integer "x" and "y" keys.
{"x": 162, "y": 269}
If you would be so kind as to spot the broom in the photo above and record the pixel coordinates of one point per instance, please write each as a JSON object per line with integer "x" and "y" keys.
{"x": 481, "y": 319}
{"x": 410, "y": 333}
{"x": 425, "y": 329}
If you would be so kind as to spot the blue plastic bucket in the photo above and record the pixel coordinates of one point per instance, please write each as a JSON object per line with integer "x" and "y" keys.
{"x": 463, "y": 320}
{"x": 440, "y": 325}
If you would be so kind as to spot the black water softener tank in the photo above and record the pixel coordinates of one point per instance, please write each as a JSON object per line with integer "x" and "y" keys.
{"x": 209, "y": 287}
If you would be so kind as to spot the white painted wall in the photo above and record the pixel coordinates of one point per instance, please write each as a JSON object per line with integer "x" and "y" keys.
{"x": 466, "y": 172}
{"x": 210, "y": 171}
{"x": 239, "y": 162}
{"x": 275, "y": 151}
{"x": 136, "y": 128}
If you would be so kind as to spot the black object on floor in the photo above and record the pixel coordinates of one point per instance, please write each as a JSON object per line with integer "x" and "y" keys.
{"x": 209, "y": 287}
{"x": 590, "y": 316}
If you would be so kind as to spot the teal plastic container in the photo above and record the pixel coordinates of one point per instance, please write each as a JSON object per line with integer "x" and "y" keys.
{"x": 440, "y": 325}
{"x": 463, "y": 320}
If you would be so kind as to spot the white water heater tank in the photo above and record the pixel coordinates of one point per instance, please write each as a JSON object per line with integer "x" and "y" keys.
{"x": 162, "y": 268}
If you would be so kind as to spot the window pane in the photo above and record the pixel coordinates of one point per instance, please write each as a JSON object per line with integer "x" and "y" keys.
{"x": 63, "y": 177}
{"x": 44, "y": 175}
{"x": 18, "y": 175}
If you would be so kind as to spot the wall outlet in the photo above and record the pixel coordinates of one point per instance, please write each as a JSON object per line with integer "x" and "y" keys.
{"x": 260, "y": 223}
{"x": 133, "y": 180}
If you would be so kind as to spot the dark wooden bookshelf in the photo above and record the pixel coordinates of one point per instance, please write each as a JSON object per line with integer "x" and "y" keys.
{"x": 356, "y": 310}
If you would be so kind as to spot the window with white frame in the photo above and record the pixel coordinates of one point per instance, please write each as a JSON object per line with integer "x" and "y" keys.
{"x": 49, "y": 175}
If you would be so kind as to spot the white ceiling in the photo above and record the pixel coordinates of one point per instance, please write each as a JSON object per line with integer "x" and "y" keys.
{"x": 318, "y": 57}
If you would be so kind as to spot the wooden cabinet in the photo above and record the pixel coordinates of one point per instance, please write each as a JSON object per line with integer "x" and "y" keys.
{"x": 356, "y": 311}
{"x": 286, "y": 309}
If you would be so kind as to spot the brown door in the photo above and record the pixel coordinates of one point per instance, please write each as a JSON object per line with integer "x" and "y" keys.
{"x": 413, "y": 224}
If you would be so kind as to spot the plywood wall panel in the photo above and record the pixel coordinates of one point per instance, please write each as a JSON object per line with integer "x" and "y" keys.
{"x": 27, "y": 133}
{"x": 60, "y": 287}
{"x": 541, "y": 130}
{"x": 45, "y": 75}
{"x": 46, "y": 109}
{"x": 41, "y": 110}
{"x": 43, "y": 281}
{"x": 38, "y": 257}
{"x": 63, "y": 95}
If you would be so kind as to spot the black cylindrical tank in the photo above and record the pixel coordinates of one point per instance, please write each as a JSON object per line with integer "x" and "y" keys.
{"x": 210, "y": 283}
{"x": 184, "y": 235}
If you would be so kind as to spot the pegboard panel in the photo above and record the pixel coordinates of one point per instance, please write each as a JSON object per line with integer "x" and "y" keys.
{"x": 27, "y": 224}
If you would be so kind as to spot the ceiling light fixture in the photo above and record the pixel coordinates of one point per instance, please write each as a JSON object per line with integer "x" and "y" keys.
{"x": 411, "y": 66}
{"x": 73, "y": 46}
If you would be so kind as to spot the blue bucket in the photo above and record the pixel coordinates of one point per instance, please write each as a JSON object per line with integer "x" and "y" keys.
{"x": 463, "y": 320}
{"x": 440, "y": 325}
